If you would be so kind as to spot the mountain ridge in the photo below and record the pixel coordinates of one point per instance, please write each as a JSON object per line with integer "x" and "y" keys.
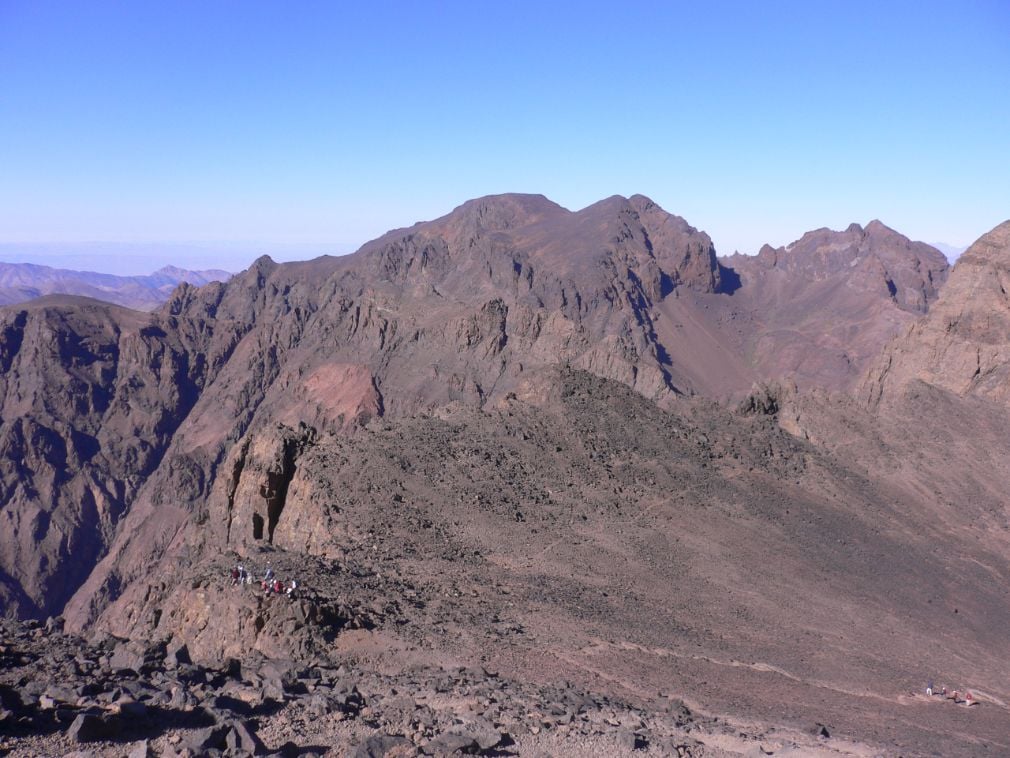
{"x": 562, "y": 379}
{"x": 22, "y": 282}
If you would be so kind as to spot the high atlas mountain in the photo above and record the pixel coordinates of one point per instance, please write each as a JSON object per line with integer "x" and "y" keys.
{"x": 728, "y": 505}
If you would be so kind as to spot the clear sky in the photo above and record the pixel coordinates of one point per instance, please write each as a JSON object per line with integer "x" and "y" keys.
{"x": 294, "y": 126}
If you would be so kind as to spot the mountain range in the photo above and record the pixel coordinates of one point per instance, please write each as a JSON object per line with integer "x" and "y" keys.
{"x": 772, "y": 485}
{"x": 20, "y": 282}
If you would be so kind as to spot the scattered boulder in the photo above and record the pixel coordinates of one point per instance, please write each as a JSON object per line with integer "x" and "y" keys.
{"x": 628, "y": 740}
{"x": 177, "y": 653}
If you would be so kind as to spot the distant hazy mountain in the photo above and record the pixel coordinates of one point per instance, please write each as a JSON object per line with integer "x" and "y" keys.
{"x": 953, "y": 252}
{"x": 20, "y": 282}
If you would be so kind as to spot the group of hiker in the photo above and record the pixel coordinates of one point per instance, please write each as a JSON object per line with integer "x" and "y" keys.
{"x": 968, "y": 698}
{"x": 269, "y": 584}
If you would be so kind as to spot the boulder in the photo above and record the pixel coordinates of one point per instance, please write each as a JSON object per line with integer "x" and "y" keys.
{"x": 127, "y": 657}
{"x": 208, "y": 738}
{"x": 177, "y": 653}
{"x": 242, "y": 737}
{"x": 451, "y": 743}
{"x": 91, "y": 727}
{"x": 378, "y": 745}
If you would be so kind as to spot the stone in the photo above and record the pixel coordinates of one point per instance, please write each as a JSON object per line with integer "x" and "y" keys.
{"x": 177, "y": 653}
{"x": 628, "y": 740}
{"x": 378, "y": 745}
{"x": 126, "y": 658}
{"x": 242, "y": 736}
{"x": 208, "y": 738}
{"x": 130, "y": 708}
{"x": 485, "y": 733}
{"x": 451, "y": 743}
{"x": 90, "y": 727}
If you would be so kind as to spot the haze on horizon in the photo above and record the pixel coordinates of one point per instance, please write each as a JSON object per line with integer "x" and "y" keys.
{"x": 315, "y": 128}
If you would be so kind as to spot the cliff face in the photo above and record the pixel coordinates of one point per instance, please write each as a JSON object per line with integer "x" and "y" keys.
{"x": 92, "y": 395}
{"x": 963, "y": 345}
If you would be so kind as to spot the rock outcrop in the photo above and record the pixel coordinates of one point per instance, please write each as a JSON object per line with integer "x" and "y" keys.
{"x": 963, "y": 344}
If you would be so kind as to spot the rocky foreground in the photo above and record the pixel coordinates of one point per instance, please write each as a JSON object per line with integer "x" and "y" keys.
{"x": 64, "y": 695}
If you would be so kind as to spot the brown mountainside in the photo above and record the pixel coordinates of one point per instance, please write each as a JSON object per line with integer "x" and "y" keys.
{"x": 821, "y": 309}
{"x": 963, "y": 345}
{"x": 92, "y": 395}
{"x": 459, "y": 309}
{"x": 485, "y": 439}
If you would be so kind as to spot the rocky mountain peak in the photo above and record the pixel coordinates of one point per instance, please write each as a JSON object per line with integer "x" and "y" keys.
{"x": 501, "y": 212}
{"x": 963, "y": 345}
{"x": 874, "y": 257}
{"x": 992, "y": 248}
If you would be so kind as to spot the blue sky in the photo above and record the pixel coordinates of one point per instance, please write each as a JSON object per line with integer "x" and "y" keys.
{"x": 294, "y": 127}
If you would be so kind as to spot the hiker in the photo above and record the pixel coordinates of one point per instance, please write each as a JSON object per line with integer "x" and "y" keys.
{"x": 954, "y": 696}
{"x": 929, "y": 689}
{"x": 292, "y": 588}
{"x": 943, "y": 691}
{"x": 243, "y": 577}
{"x": 278, "y": 587}
{"x": 234, "y": 576}
{"x": 269, "y": 574}
{"x": 968, "y": 699}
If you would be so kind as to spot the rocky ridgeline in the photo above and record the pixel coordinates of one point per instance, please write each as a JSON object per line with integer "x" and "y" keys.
{"x": 61, "y": 694}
